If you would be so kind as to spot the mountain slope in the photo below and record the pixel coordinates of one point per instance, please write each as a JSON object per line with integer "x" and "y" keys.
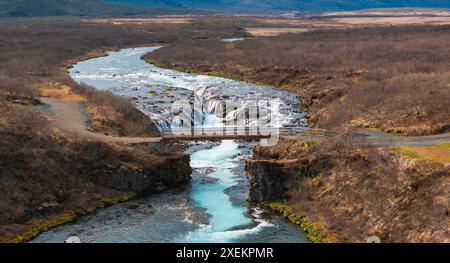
{"x": 289, "y": 5}
{"x": 24, "y": 8}
{"x": 21, "y": 8}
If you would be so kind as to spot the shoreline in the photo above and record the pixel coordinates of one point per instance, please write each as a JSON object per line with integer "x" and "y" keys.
{"x": 278, "y": 208}
{"x": 100, "y": 53}
{"x": 396, "y": 131}
{"x": 207, "y": 73}
{"x": 312, "y": 232}
{"x": 233, "y": 77}
{"x": 35, "y": 227}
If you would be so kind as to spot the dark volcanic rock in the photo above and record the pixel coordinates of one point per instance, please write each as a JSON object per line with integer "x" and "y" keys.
{"x": 266, "y": 180}
{"x": 173, "y": 172}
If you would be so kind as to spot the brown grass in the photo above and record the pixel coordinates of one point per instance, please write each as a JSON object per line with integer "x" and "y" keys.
{"x": 438, "y": 153}
{"x": 272, "y": 31}
{"x": 115, "y": 115}
{"x": 391, "y": 78}
{"x": 351, "y": 193}
{"x": 144, "y": 21}
{"x": 36, "y": 51}
{"x": 60, "y": 92}
{"x": 44, "y": 174}
{"x": 384, "y": 21}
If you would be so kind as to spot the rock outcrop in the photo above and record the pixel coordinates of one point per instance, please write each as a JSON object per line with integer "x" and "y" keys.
{"x": 349, "y": 193}
{"x": 174, "y": 171}
{"x": 267, "y": 179}
{"x": 48, "y": 181}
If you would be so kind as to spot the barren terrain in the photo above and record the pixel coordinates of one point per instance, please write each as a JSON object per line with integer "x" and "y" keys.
{"x": 52, "y": 169}
{"x": 390, "y": 78}
{"x": 273, "y": 26}
{"x": 348, "y": 75}
{"x": 339, "y": 192}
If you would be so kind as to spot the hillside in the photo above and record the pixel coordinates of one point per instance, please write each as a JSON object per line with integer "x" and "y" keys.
{"x": 289, "y": 5}
{"x": 28, "y": 8}
{"x": 48, "y": 177}
{"x": 337, "y": 192}
{"x": 387, "y": 78}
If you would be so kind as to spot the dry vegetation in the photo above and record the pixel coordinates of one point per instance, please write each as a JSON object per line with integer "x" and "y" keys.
{"x": 37, "y": 51}
{"x": 43, "y": 174}
{"x": 439, "y": 153}
{"x": 391, "y": 78}
{"x": 46, "y": 179}
{"x": 348, "y": 193}
{"x": 115, "y": 115}
{"x": 388, "y": 78}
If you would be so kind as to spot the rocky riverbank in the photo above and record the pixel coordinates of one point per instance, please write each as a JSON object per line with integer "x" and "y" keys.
{"x": 50, "y": 178}
{"x": 337, "y": 192}
{"x": 345, "y": 78}
{"x": 81, "y": 177}
{"x": 218, "y": 187}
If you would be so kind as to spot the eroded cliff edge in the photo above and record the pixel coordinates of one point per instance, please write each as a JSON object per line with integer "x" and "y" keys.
{"x": 46, "y": 187}
{"x": 50, "y": 176}
{"x": 338, "y": 192}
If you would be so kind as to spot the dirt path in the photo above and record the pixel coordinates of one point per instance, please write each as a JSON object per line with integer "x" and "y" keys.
{"x": 380, "y": 138}
{"x": 70, "y": 118}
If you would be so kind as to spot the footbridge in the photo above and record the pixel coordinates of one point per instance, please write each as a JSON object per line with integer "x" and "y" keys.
{"x": 375, "y": 138}
{"x": 238, "y": 133}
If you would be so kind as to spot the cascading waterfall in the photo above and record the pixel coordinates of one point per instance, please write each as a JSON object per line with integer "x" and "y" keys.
{"x": 219, "y": 186}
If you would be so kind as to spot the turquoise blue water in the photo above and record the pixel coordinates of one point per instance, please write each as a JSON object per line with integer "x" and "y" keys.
{"x": 224, "y": 215}
{"x": 214, "y": 209}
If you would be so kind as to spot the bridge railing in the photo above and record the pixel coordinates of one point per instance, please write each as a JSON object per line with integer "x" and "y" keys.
{"x": 239, "y": 132}
{"x": 216, "y": 131}
{"x": 303, "y": 131}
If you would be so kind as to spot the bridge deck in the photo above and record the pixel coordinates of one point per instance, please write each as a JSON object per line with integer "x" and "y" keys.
{"x": 237, "y": 133}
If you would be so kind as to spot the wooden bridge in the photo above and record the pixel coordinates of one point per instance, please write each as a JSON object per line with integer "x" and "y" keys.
{"x": 375, "y": 138}
{"x": 237, "y": 133}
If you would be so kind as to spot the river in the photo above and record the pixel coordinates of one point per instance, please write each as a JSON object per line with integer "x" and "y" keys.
{"x": 214, "y": 207}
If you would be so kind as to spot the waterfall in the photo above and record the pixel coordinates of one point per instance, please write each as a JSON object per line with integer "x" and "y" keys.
{"x": 218, "y": 187}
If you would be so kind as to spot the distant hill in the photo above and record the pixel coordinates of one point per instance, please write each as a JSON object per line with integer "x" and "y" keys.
{"x": 15, "y": 8}
{"x": 289, "y": 5}
{"x": 26, "y": 8}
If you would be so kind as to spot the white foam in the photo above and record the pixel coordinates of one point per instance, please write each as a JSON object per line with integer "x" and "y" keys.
{"x": 232, "y": 235}
{"x": 131, "y": 78}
